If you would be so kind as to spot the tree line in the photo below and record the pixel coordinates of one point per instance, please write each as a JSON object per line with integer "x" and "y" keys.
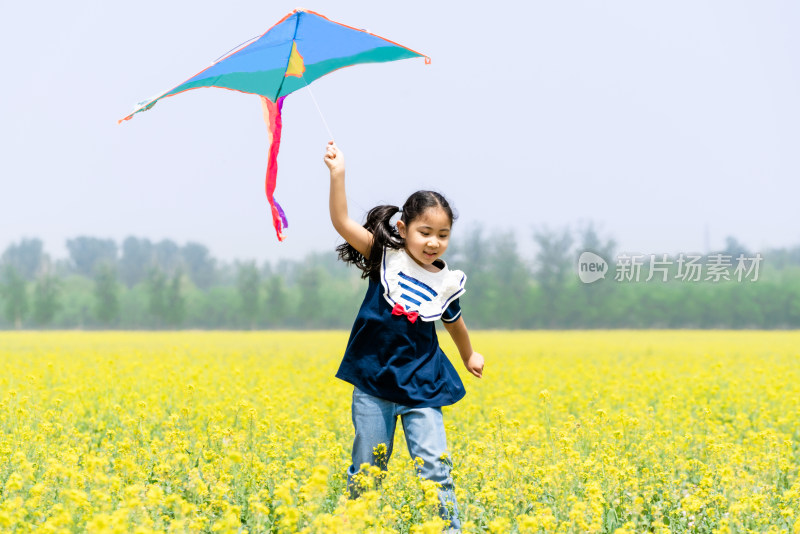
{"x": 141, "y": 284}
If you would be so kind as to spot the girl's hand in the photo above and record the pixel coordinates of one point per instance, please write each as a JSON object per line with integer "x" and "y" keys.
{"x": 475, "y": 364}
{"x": 334, "y": 158}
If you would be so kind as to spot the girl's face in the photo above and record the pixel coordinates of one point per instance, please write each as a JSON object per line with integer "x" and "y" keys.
{"x": 427, "y": 236}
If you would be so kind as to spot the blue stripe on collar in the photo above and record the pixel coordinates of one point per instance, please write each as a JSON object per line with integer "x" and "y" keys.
{"x": 417, "y": 282}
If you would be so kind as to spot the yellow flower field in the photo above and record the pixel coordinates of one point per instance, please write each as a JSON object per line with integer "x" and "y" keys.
{"x": 645, "y": 431}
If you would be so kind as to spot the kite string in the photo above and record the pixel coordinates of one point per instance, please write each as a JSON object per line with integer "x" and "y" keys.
{"x": 318, "y": 108}
{"x": 357, "y": 204}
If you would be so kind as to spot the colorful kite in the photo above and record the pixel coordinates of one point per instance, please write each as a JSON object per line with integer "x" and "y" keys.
{"x": 300, "y": 48}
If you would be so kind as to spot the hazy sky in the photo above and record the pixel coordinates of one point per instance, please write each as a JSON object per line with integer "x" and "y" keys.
{"x": 655, "y": 120}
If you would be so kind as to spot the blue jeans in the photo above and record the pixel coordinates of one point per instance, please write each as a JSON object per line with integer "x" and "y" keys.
{"x": 374, "y": 420}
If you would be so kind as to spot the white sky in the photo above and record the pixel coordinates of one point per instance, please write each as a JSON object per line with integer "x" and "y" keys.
{"x": 655, "y": 120}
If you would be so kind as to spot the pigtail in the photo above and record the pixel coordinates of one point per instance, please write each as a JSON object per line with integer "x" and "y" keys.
{"x": 383, "y": 235}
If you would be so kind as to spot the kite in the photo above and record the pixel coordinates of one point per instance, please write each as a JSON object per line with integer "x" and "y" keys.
{"x": 300, "y": 48}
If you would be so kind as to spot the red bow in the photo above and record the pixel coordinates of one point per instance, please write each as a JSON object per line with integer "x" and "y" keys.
{"x": 400, "y": 310}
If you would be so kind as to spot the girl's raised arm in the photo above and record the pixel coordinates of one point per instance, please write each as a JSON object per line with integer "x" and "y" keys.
{"x": 359, "y": 237}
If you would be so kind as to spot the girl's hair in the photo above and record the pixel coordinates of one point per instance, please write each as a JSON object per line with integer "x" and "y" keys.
{"x": 384, "y": 234}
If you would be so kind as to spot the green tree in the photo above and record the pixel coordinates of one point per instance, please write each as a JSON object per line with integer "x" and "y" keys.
{"x": 594, "y": 300}
{"x": 156, "y": 285}
{"x": 174, "y": 301}
{"x": 734, "y": 249}
{"x": 106, "y": 294}
{"x": 248, "y": 282}
{"x": 166, "y": 302}
{"x": 511, "y": 285}
{"x": 137, "y": 258}
{"x": 552, "y": 267}
{"x": 15, "y": 295}
{"x": 277, "y": 301}
{"x": 26, "y": 257}
{"x": 46, "y": 294}
{"x": 310, "y": 281}
{"x": 167, "y": 255}
{"x": 88, "y": 252}
{"x": 472, "y": 254}
{"x": 199, "y": 263}
{"x": 782, "y": 258}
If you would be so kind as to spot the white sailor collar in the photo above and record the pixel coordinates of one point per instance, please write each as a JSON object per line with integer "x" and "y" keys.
{"x": 405, "y": 282}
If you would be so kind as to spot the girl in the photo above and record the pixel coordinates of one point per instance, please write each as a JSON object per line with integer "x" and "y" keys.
{"x": 393, "y": 357}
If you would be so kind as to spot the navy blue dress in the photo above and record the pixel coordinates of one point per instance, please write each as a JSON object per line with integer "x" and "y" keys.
{"x": 394, "y": 359}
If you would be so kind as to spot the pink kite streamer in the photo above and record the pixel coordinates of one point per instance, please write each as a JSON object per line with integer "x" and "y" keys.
{"x": 272, "y": 116}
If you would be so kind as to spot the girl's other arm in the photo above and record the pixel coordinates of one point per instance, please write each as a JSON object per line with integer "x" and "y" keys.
{"x": 472, "y": 360}
{"x": 359, "y": 237}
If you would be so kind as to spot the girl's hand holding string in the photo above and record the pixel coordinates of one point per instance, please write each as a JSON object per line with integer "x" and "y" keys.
{"x": 334, "y": 158}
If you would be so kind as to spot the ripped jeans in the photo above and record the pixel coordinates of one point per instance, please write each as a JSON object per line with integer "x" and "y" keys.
{"x": 374, "y": 421}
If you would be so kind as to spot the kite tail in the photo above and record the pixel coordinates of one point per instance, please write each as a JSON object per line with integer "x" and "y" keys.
{"x": 272, "y": 116}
